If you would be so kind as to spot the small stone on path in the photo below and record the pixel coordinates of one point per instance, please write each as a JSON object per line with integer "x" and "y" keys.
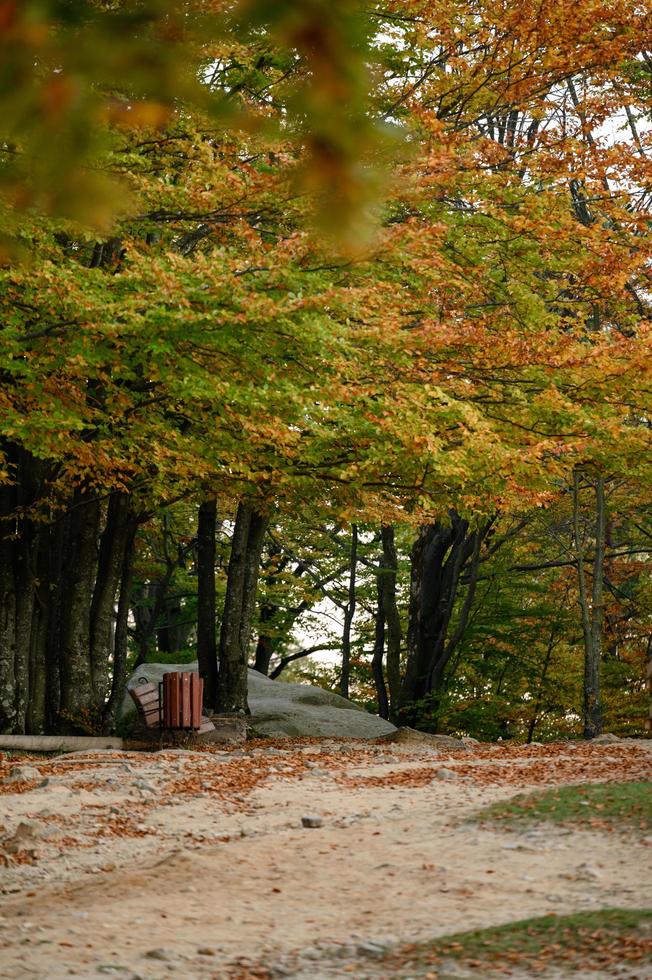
{"x": 446, "y": 774}
{"x": 372, "y": 949}
{"x": 157, "y": 954}
{"x": 311, "y": 820}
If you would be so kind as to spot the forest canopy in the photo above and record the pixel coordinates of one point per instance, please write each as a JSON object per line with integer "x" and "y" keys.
{"x": 326, "y": 329}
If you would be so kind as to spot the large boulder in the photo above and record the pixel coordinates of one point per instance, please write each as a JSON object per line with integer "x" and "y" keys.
{"x": 278, "y": 708}
{"x": 281, "y": 709}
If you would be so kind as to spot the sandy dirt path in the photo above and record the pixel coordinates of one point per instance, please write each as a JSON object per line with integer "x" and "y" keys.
{"x": 198, "y": 865}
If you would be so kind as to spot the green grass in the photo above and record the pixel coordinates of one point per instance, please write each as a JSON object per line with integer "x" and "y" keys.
{"x": 587, "y": 940}
{"x": 610, "y": 805}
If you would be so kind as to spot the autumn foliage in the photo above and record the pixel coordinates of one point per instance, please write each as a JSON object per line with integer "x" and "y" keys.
{"x": 375, "y": 267}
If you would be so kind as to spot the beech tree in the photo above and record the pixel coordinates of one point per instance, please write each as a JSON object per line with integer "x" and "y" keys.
{"x": 360, "y": 268}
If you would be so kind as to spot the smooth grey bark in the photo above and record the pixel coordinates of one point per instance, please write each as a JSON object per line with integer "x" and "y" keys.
{"x": 25, "y": 587}
{"x": 36, "y": 719}
{"x": 239, "y": 606}
{"x": 58, "y": 585}
{"x": 145, "y": 603}
{"x": 440, "y": 554}
{"x": 393, "y": 633}
{"x": 379, "y": 648}
{"x": 450, "y": 645}
{"x": 49, "y": 597}
{"x": 265, "y": 644}
{"x": 121, "y": 635}
{"x": 592, "y": 611}
{"x": 7, "y": 615}
{"x": 649, "y": 682}
{"x": 539, "y": 698}
{"x": 107, "y": 583}
{"x": 268, "y": 614}
{"x": 206, "y": 608}
{"x": 30, "y": 472}
{"x": 349, "y": 613}
{"x": 387, "y": 629}
{"x": 77, "y": 691}
{"x": 158, "y": 616}
{"x": 173, "y": 633}
{"x": 19, "y": 543}
{"x": 592, "y": 692}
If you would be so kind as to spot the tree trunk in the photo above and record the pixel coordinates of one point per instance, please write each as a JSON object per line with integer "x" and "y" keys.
{"x": 268, "y": 614}
{"x": 439, "y": 556}
{"x": 450, "y": 645}
{"x": 56, "y": 601}
{"x": 120, "y": 647}
{"x": 107, "y": 583}
{"x": 77, "y": 692}
{"x": 26, "y": 549}
{"x": 349, "y": 613}
{"x": 437, "y": 560}
{"x": 239, "y": 605}
{"x": 592, "y": 694}
{"x": 36, "y": 721}
{"x": 25, "y": 558}
{"x": 19, "y": 543}
{"x": 649, "y": 683}
{"x": 264, "y": 646}
{"x": 539, "y": 698}
{"x": 172, "y": 635}
{"x": 379, "y": 648}
{"x": 144, "y": 609}
{"x": 7, "y": 614}
{"x": 392, "y": 619}
{"x": 206, "y": 609}
{"x": 592, "y": 611}
{"x": 50, "y": 599}
{"x": 150, "y": 605}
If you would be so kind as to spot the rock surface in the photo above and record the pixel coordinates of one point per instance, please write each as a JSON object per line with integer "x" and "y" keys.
{"x": 411, "y": 737}
{"x": 281, "y": 709}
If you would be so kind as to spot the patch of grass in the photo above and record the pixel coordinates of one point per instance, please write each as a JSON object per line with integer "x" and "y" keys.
{"x": 586, "y": 940}
{"x": 607, "y": 805}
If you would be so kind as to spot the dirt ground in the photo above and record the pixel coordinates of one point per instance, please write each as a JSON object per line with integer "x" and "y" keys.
{"x": 198, "y": 865}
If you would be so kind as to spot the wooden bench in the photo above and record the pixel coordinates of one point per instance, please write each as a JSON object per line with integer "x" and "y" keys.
{"x": 147, "y": 700}
{"x": 176, "y": 703}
